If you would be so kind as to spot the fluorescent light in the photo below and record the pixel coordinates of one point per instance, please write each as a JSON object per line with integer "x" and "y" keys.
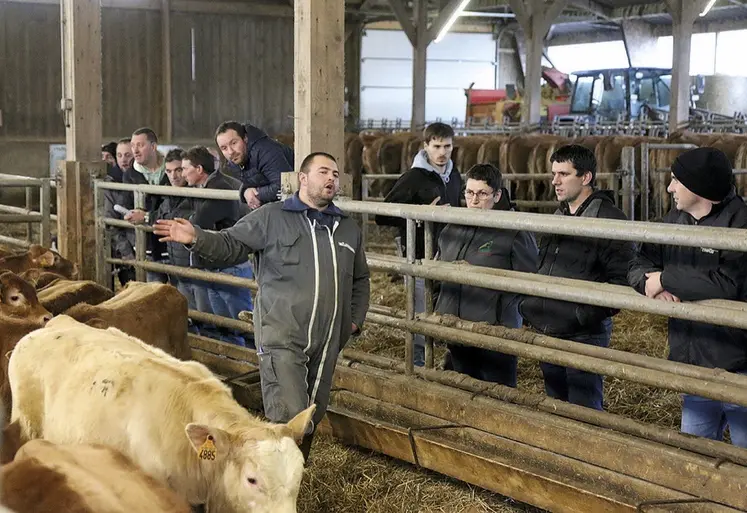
{"x": 708, "y": 8}
{"x": 451, "y": 21}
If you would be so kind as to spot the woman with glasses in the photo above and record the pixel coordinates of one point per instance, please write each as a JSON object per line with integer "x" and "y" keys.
{"x": 486, "y": 247}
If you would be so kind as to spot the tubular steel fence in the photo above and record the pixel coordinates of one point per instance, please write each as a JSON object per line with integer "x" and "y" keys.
{"x": 43, "y": 217}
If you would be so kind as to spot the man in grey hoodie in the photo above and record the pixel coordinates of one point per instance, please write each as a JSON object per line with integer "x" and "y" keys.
{"x": 433, "y": 179}
{"x": 313, "y": 286}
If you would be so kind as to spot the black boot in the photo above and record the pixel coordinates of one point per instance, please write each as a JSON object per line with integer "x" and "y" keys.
{"x": 306, "y": 446}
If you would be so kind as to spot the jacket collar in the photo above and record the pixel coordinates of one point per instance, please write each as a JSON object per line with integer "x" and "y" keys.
{"x": 294, "y": 204}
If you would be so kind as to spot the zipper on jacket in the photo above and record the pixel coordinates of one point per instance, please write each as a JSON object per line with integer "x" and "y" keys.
{"x": 330, "y": 330}
{"x": 312, "y": 226}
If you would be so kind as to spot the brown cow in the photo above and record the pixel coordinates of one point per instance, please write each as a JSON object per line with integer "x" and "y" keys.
{"x": 40, "y": 278}
{"x": 38, "y": 257}
{"x": 18, "y": 299}
{"x": 152, "y": 312}
{"x": 46, "y": 478}
{"x": 62, "y": 294}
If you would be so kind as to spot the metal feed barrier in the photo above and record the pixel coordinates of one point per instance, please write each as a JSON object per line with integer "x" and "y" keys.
{"x": 43, "y": 217}
{"x": 366, "y": 381}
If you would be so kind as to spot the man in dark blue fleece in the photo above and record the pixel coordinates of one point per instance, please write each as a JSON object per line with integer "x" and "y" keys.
{"x": 313, "y": 286}
{"x": 256, "y": 159}
{"x": 704, "y": 195}
{"x": 573, "y": 170}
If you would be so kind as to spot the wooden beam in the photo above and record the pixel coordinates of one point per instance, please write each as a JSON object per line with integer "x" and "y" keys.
{"x": 642, "y": 459}
{"x": 419, "y": 65}
{"x": 168, "y": 106}
{"x": 405, "y": 20}
{"x": 544, "y": 479}
{"x": 82, "y": 96}
{"x": 198, "y": 6}
{"x": 319, "y": 83}
{"x": 443, "y": 17}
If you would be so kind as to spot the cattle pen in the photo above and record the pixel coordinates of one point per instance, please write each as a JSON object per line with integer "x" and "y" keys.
{"x": 554, "y": 455}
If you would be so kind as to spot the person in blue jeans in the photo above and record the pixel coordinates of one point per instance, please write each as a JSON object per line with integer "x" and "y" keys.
{"x": 704, "y": 194}
{"x": 606, "y": 261}
{"x": 228, "y": 301}
{"x": 198, "y": 169}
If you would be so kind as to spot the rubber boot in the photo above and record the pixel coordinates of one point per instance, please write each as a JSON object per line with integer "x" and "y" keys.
{"x": 305, "y": 446}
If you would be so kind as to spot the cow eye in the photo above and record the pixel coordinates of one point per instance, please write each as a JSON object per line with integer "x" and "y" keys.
{"x": 251, "y": 480}
{"x": 15, "y": 298}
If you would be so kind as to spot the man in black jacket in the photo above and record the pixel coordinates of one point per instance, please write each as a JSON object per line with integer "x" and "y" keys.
{"x": 256, "y": 159}
{"x": 574, "y": 170}
{"x": 486, "y": 247}
{"x": 433, "y": 179}
{"x": 704, "y": 195}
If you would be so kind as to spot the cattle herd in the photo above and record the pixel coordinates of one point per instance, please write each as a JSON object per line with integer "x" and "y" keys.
{"x": 104, "y": 411}
{"x": 381, "y": 153}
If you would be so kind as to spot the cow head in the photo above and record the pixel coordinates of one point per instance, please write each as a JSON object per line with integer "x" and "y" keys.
{"x": 48, "y": 260}
{"x": 18, "y": 299}
{"x": 256, "y": 469}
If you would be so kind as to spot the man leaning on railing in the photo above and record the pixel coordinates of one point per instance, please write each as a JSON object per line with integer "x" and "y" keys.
{"x": 704, "y": 195}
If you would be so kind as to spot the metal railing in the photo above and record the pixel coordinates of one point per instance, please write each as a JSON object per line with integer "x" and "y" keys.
{"x": 28, "y": 216}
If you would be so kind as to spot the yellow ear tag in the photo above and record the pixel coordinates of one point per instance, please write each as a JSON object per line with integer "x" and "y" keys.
{"x": 207, "y": 449}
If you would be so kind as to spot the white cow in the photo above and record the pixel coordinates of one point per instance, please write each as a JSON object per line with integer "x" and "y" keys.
{"x": 72, "y": 383}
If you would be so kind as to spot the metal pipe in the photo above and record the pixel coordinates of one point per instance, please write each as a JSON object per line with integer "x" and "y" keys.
{"x": 718, "y": 391}
{"x": 29, "y": 206}
{"x": 627, "y": 162}
{"x": 535, "y": 285}
{"x": 703, "y": 446}
{"x": 657, "y": 233}
{"x": 364, "y": 216}
{"x": 187, "y": 272}
{"x": 223, "y": 322}
{"x": 644, "y": 181}
{"x": 429, "y": 232}
{"x": 103, "y": 241}
{"x": 14, "y": 242}
{"x": 605, "y": 353}
{"x": 410, "y": 246}
{"x": 19, "y": 181}
{"x": 141, "y": 240}
{"x": 21, "y": 218}
{"x": 45, "y": 206}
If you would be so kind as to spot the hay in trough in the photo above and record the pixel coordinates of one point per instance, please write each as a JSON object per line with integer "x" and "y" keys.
{"x": 341, "y": 479}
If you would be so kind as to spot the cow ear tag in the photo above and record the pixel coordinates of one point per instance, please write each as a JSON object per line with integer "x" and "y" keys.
{"x": 207, "y": 449}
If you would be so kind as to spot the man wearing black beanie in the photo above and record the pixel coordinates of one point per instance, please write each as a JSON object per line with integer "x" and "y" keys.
{"x": 704, "y": 194}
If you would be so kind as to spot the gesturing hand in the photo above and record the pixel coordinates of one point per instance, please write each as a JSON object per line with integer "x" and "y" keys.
{"x": 178, "y": 230}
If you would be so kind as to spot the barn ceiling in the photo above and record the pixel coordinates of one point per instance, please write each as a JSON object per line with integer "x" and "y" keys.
{"x": 580, "y": 16}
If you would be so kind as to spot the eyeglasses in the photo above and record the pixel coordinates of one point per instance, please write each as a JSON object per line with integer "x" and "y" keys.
{"x": 481, "y": 195}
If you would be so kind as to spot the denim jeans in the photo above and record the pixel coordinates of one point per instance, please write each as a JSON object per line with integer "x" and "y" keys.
{"x": 152, "y": 276}
{"x": 708, "y": 418}
{"x": 196, "y": 292}
{"x": 576, "y": 386}
{"x": 228, "y": 301}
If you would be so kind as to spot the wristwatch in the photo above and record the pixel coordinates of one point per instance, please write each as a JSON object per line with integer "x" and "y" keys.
{"x": 146, "y": 218}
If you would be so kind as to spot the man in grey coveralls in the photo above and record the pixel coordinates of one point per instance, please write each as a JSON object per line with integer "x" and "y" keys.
{"x": 313, "y": 286}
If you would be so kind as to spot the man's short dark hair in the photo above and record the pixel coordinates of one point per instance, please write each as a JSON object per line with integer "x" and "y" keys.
{"x": 149, "y": 133}
{"x": 437, "y": 131}
{"x": 487, "y": 173}
{"x": 124, "y": 140}
{"x": 110, "y": 148}
{"x": 200, "y": 156}
{"x": 175, "y": 154}
{"x": 581, "y": 157}
{"x": 310, "y": 158}
{"x": 230, "y": 125}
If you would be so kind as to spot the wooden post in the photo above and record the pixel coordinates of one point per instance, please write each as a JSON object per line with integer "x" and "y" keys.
{"x": 168, "y": 109}
{"x": 319, "y": 83}
{"x": 419, "y": 64}
{"x": 535, "y": 18}
{"x": 684, "y": 13}
{"x": 81, "y": 105}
